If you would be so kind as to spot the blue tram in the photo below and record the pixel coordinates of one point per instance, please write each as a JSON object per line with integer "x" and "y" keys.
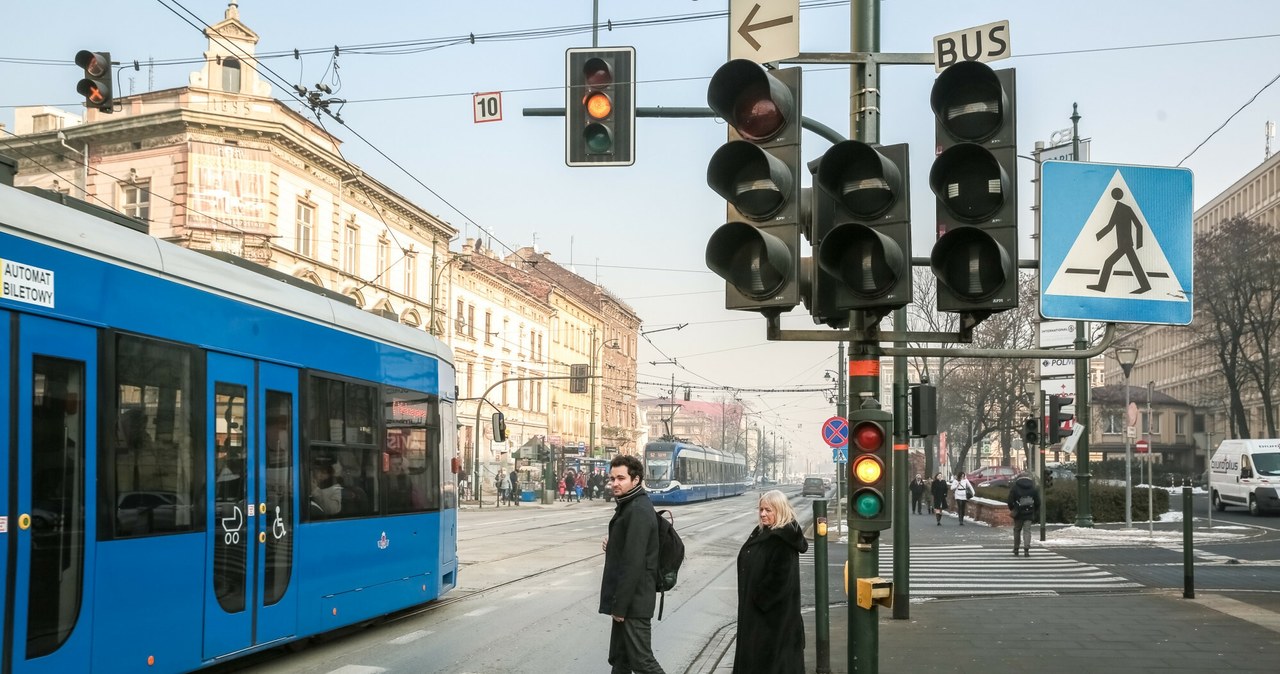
{"x": 203, "y": 461}
{"x": 679, "y": 472}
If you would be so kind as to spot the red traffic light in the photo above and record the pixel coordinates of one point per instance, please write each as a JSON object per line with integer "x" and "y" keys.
{"x": 867, "y": 436}
{"x": 754, "y": 102}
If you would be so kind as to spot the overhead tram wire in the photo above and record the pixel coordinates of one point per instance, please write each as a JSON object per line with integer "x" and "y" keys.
{"x": 284, "y": 85}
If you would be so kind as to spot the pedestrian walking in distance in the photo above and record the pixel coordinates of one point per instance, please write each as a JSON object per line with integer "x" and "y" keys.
{"x": 628, "y": 588}
{"x": 917, "y": 495}
{"x": 938, "y": 490}
{"x": 770, "y": 630}
{"x": 964, "y": 492}
{"x": 1024, "y": 503}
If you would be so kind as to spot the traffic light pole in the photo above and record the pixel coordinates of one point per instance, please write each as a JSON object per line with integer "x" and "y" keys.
{"x": 1084, "y": 513}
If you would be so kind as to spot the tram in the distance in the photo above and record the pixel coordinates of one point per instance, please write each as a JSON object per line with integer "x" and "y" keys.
{"x": 680, "y": 472}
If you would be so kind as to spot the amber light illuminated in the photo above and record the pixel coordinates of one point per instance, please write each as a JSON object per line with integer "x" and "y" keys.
{"x": 867, "y": 470}
{"x": 598, "y": 105}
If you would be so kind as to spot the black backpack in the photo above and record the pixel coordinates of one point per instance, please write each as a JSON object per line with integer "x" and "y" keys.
{"x": 1025, "y": 505}
{"x": 670, "y": 555}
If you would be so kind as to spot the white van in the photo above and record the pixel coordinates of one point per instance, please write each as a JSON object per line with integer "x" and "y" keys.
{"x": 1246, "y": 473}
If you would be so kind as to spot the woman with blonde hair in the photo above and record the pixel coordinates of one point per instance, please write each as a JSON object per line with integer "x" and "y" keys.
{"x": 770, "y": 629}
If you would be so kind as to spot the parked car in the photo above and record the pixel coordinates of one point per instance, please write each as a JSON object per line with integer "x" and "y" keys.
{"x": 814, "y": 486}
{"x": 991, "y": 473}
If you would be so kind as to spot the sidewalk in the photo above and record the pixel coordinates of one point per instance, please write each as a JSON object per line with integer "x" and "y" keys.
{"x": 1145, "y": 631}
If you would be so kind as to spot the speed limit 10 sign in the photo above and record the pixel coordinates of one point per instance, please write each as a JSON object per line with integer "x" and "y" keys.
{"x": 487, "y": 107}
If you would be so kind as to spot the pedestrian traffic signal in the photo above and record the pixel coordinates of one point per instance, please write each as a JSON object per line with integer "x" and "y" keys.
{"x": 1057, "y": 417}
{"x": 861, "y": 232}
{"x": 544, "y": 455}
{"x": 1047, "y": 478}
{"x": 869, "y": 447}
{"x": 974, "y": 178}
{"x": 757, "y": 250}
{"x": 96, "y": 84}
{"x": 600, "y": 106}
{"x": 1030, "y": 433}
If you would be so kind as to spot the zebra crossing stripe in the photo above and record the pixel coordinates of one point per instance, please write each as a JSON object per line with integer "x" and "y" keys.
{"x": 973, "y": 569}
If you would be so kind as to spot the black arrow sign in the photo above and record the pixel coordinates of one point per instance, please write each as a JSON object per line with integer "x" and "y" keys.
{"x": 747, "y": 27}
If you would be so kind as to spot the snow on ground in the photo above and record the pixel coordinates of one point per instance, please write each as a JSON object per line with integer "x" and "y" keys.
{"x": 1139, "y": 535}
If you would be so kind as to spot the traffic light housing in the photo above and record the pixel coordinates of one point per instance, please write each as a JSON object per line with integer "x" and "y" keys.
{"x": 578, "y": 374}
{"x": 499, "y": 427}
{"x": 1030, "y": 433}
{"x": 974, "y": 178}
{"x": 870, "y": 443}
{"x": 1047, "y": 478}
{"x": 96, "y": 85}
{"x": 600, "y": 106}
{"x": 1057, "y": 417}
{"x": 861, "y": 232}
{"x": 757, "y": 250}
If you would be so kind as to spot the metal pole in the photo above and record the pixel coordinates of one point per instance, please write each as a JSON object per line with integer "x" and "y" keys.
{"x": 1084, "y": 514}
{"x": 822, "y": 610}
{"x": 1151, "y": 455}
{"x": 1128, "y": 458}
{"x": 842, "y": 411}
{"x": 902, "y": 532}
{"x": 1208, "y": 473}
{"x": 591, "y": 437}
{"x": 1188, "y": 559}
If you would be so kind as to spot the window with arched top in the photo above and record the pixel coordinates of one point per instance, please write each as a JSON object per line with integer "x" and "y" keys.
{"x": 231, "y": 75}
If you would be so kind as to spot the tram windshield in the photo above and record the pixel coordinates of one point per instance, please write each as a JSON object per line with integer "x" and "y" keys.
{"x": 658, "y": 469}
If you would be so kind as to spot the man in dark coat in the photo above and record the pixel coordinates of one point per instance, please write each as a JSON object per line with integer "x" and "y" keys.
{"x": 917, "y": 494}
{"x": 1024, "y": 512}
{"x": 770, "y": 630}
{"x": 628, "y": 589}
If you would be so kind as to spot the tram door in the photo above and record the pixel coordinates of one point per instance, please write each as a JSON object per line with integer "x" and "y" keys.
{"x": 48, "y": 621}
{"x": 252, "y": 437}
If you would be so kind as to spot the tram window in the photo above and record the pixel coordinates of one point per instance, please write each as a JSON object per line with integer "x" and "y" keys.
{"x": 56, "y": 571}
{"x": 340, "y": 412}
{"x": 344, "y": 483}
{"x": 151, "y": 467}
{"x": 343, "y": 461}
{"x": 411, "y": 462}
{"x": 279, "y": 513}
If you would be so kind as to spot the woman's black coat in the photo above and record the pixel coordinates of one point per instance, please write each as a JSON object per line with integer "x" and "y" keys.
{"x": 770, "y": 630}
{"x": 938, "y": 488}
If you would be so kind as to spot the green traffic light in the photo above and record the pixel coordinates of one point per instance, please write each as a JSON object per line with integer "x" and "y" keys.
{"x": 597, "y": 138}
{"x": 867, "y": 504}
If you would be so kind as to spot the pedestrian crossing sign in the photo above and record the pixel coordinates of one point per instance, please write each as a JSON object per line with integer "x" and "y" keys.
{"x": 1116, "y": 243}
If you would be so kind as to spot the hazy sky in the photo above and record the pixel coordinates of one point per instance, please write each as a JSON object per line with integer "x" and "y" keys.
{"x": 1153, "y": 79}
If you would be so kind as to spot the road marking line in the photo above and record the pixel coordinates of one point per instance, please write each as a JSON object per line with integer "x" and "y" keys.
{"x": 1242, "y": 610}
{"x": 410, "y": 637}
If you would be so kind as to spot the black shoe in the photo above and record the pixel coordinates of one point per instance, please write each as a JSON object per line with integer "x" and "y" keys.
{"x": 1026, "y": 553}
{"x": 1015, "y": 552}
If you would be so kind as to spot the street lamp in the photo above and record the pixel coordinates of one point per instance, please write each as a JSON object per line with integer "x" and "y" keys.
{"x": 595, "y": 353}
{"x": 1127, "y": 355}
{"x": 432, "y": 327}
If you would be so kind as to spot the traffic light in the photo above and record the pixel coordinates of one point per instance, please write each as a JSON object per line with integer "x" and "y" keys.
{"x": 1047, "y": 478}
{"x": 1030, "y": 433}
{"x": 499, "y": 427}
{"x": 1057, "y": 417}
{"x": 869, "y": 447}
{"x": 861, "y": 229}
{"x": 96, "y": 84}
{"x": 578, "y": 378}
{"x": 757, "y": 251}
{"x": 600, "y": 106}
{"x": 974, "y": 178}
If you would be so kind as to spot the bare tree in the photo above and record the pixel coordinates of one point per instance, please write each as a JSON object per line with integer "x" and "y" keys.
{"x": 980, "y": 397}
{"x": 1238, "y": 314}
